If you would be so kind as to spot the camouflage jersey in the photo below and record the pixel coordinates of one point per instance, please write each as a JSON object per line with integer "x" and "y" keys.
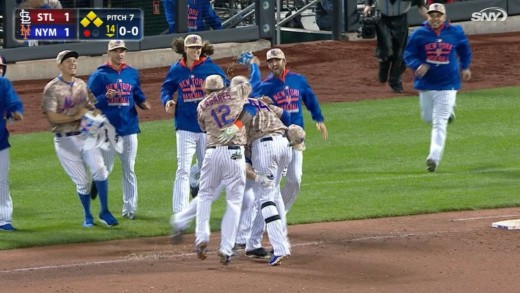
{"x": 219, "y": 110}
{"x": 66, "y": 98}
{"x": 266, "y": 122}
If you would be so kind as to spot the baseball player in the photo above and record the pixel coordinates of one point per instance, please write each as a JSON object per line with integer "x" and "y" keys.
{"x": 223, "y": 164}
{"x": 290, "y": 91}
{"x": 186, "y": 77}
{"x": 11, "y": 108}
{"x": 65, "y": 101}
{"x": 117, "y": 88}
{"x": 392, "y": 33}
{"x": 436, "y": 52}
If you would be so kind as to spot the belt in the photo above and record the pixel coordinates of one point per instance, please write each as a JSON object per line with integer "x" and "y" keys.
{"x": 67, "y": 134}
{"x": 229, "y": 147}
{"x": 270, "y": 138}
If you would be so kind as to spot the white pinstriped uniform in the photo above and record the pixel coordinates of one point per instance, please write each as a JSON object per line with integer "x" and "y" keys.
{"x": 247, "y": 214}
{"x": 293, "y": 179}
{"x": 436, "y": 108}
{"x": 6, "y": 203}
{"x": 127, "y": 158}
{"x": 222, "y": 164}
{"x": 270, "y": 157}
{"x": 73, "y": 159}
{"x": 188, "y": 144}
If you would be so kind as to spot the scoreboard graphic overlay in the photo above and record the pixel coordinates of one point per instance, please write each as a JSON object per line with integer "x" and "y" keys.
{"x": 78, "y": 24}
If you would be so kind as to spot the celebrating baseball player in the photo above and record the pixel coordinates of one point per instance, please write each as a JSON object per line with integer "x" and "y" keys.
{"x": 117, "y": 88}
{"x": 437, "y": 51}
{"x": 223, "y": 164}
{"x": 186, "y": 77}
{"x": 66, "y": 99}
{"x": 11, "y": 108}
{"x": 290, "y": 91}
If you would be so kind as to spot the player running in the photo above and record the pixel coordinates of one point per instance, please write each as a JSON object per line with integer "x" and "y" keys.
{"x": 65, "y": 100}
{"x": 186, "y": 77}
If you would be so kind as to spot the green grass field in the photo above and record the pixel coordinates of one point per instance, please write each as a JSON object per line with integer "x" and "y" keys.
{"x": 371, "y": 166}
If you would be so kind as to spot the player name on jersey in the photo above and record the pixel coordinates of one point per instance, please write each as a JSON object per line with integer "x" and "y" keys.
{"x": 78, "y": 24}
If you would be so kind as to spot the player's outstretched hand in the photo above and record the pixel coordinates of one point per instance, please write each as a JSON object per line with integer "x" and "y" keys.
{"x": 228, "y": 134}
{"x": 323, "y": 129}
{"x": 266, "y": 181}
{"x": 245, "y": 58}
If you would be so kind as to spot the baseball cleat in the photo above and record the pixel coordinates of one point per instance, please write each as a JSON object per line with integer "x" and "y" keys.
{"x": 108, "y": 219}
{"x": 7, "y": 227}
{"x": 201, "y": 250}
{"x": 176, "y": 235}
{"x": 276, "y": 260}
{"x": 88, "y": 222}
{"x": 224, "y": 258}
{"x": 130, "y": 216}
{"x": 257, "y": 253}
{"x": 452, "y": 118}
{"x": 431, "y": 165}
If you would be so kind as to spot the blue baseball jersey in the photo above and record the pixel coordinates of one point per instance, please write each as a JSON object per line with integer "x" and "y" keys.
{"x": 446, "y": 52}
{"x": 188, "y": 83}
{"x": 120, "y": 109}
{"x": 201, "y": 15}
{"x": 290, "y": 93}
{"x": 9, "y": 103}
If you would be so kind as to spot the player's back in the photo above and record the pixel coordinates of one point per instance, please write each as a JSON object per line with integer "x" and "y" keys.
{"x": 219, "y": 110}
{"x": 266, "y": 121}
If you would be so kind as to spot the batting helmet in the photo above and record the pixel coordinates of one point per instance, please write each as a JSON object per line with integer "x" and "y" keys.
{"x": 3, "y": 64}
{"x": 296, "y": 137}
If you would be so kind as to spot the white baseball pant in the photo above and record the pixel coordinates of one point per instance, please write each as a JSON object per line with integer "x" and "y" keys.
{"x": 270, "y": 157}
{"x": 436, "y": 108}
{"x": 247, "y": 214}
{"x": 224, "y": 166}
{"x": 6, "y": 203}
{"x": 293, "y": 179}
{"x": 73, "y": 159}
{"x": 188, "y": 144}
{"x": 127, "y": 158}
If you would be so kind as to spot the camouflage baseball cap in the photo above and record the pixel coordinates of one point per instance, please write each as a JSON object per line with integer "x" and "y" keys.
{"x": 116, "y": 44}
{"x": 66, "y": 54}
{"x": 275, "y": 54}
{"x": 296, "y": 137}
{"x": 437, "y": 7}
{"x": 214, "y": 82}
{"x": 193, "y": 41}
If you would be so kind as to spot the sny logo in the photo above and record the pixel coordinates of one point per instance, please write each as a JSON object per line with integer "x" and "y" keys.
{"x": 490, "y": 14}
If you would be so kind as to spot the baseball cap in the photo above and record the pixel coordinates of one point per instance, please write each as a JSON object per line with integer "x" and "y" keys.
{"x": 193, "y": 41}
{"x": 214, "y": 82}
{"x": 437, "y": 7}
{"x": 115, "y": 44}
{"x": 66, "y": 54}
{"x": 275, "y": 53}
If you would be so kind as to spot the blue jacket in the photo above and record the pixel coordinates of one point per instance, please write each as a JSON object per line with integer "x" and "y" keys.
{"x": 120, "y": 109}
{"x": 9, "y": 103}
{"x": 442, "y": 53}
{"x": 289, "y": 93}
{"x": 187, "y": 82}
{"x": 200, "y": 15}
